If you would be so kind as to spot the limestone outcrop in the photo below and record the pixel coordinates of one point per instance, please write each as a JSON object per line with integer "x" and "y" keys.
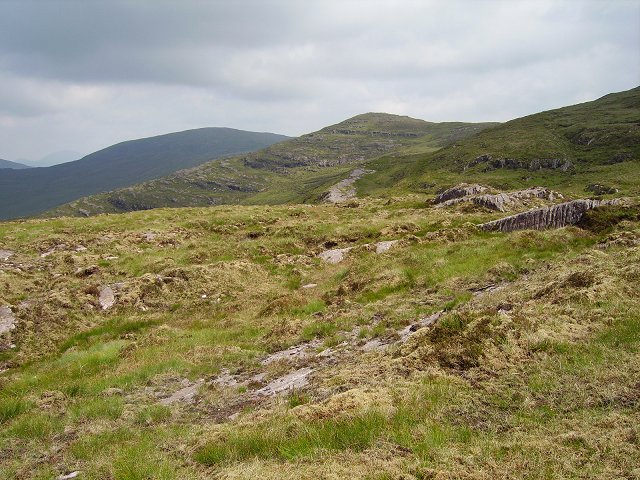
{"x": 500, "y": 201}
{"x": 459, "y": 191}
{"x": 555, "y": 216}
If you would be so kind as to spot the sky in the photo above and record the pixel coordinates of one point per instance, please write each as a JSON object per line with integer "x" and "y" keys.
{"x": 82, "y": 75}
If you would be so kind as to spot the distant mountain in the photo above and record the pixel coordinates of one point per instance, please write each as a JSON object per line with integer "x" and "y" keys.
{"x": 297, "y": 170}
{"x": 12, "y": 165}
{"x": 55, "y": 158}
{"x": 28, "y": 192}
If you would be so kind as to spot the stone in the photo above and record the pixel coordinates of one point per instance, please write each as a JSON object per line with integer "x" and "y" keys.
{"x": 373, "y": 345}
{"x": 87, "y": 271}
{"x": 556, "y": 216}
{"x": 345, "y": 190}
{"x": 106, "y": 297}
{"x": 185, "y": 394}
{"x": 502, "y": 201}
{"x": 7, "y": 320}
{"x": 5, "y": 255}
{"x": 382, "y": 247}
{"x": 292, "y": 381}
{"x": 309, "y": 285}
{"x": 406, "y": 332}
{"x": 225, "y": 379}
{"x": 459, "y": 191}
{"x": 297, "y": 352}
{"x": 69, "y": 476}
{"x": 335, "y": 255}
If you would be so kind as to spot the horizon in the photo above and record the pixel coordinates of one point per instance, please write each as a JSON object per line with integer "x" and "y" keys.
{"x": 148, "y": 68}
{"x": 38, "y": 163}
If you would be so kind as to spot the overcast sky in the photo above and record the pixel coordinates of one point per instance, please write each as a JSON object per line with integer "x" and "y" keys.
{"x": 83, "y": 75}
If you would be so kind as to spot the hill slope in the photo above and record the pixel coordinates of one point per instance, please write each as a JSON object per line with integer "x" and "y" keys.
{"x": 31, "y": 191}
{"x": 216, "y": 343}
{"x": 298, "y": 170}
{"x": 12, "y": 165}
{"x": 570, "y": 148}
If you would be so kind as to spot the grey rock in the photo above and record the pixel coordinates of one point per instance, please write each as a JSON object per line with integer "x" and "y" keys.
{"x": 297, "y": 352}
{"x": 185, "y": 394}
{"x": 5, "y": 255}
{"x": 502, "y": 201}
{"x": 345, "y": 189}
{"x": 7, "y": 320}
{"x": 334, "y": 256}
{"x": 107, "y": 298}
{"x": 225, "y": 379}
{"x": 382, "y": 247}
{"x": 291, "y": 381}
{"x": 555, "y": 216}
{"x": 69, "y": 476}
{"x": 459, "y": 191}
{"x": 406, "y": 332}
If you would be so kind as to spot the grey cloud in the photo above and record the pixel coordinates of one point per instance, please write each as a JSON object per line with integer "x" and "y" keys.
{"x": 69, "y": 69}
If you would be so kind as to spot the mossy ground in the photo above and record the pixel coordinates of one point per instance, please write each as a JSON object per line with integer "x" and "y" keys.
{"x": 538, "y": 379}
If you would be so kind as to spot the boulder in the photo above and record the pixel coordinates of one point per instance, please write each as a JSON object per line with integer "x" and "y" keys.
{"x": 459, "y": 191}
{"x": 555, "y": 216}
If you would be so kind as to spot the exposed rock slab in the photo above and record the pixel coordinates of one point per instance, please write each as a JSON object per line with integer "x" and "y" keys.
{"x": 106, "y": 298}
{"x": 502, "y": 201}
{"x": 7, "y": 320}
{"x": 186, "y": 394}
{"x": 335, "y": 255}
{"x": 406, "y": 332}
{"x": 291, "y": 381}
{"x": 297, "y": 352}
{"x": 459, "y": 191}
{"x": 382, "y": 247}
{"x": 556, "y": 216}
{"x": 345, "y": 189}
{"x": 5, "y": 255}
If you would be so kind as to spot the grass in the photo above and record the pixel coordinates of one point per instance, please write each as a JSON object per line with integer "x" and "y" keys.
{"x": 481, "y": 385}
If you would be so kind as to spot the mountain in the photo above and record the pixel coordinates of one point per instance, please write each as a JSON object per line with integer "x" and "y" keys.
{"x": 297, "y": 170}
{"x": 568, "y": 148}
{"x": 12, "y": 165}
{"x": 55, "y": 158}
{"x": 27, "y": 192}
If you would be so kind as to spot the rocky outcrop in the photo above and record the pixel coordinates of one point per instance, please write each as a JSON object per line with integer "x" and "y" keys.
{"x": 459, "y": 191}
{"x": 515, "y": 163}
{"x": 555, "y": 216}
{"x": 345, "y": 189}
{"x": 499, "y": 201}
{"x": 502, "y": 201}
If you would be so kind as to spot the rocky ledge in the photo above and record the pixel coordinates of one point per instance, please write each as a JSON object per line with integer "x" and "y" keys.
{"x": 555, "y": 216}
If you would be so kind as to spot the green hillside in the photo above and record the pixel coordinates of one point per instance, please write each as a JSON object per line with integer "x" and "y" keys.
{"x": 298, "y": 170}
{"x": 567, "y": 148}
{"x": 31, "y": 191}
